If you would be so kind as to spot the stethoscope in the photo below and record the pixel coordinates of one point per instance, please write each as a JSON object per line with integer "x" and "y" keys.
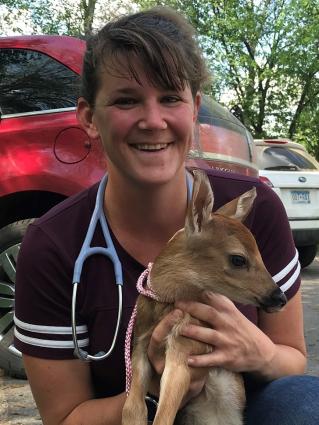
{"x": 110, "y": 252}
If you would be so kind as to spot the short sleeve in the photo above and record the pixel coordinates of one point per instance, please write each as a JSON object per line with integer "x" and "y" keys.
{"x": 274, "y": 239}
{"x": 43, "y": 299}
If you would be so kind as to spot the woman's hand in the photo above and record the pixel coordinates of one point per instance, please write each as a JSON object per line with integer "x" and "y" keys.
{"x": 237, "y": 344}
{"x": 156, "y": 355}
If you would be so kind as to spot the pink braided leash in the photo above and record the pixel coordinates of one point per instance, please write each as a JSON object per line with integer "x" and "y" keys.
{"x": 147, "y": 291}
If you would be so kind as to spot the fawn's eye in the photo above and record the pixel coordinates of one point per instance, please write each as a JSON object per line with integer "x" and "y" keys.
{"x": 238, "y": 260}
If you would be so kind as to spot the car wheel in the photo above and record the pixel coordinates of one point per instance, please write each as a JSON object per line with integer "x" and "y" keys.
{"x": 307, "y": 254}
{"x": 10, "y": 240}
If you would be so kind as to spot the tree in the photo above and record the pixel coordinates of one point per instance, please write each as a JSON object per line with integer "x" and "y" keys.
{"x": 78, "y": 18}
{"x": 264, "y": 58}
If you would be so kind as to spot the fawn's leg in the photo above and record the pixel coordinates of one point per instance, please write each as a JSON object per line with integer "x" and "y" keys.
{"x": 135, "y": 411}
{"x": 177, "y": 374}
{"x": 174, "y": 385}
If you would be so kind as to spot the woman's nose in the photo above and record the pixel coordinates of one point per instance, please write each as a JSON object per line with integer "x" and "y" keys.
{"x": 153, "y": 117}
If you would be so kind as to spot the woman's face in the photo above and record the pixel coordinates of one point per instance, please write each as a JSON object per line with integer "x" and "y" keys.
{"x": 146, "y": 131}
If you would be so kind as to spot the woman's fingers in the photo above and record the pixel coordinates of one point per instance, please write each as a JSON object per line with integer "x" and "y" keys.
{"x": 231, "y": 335}
{"x": 198, "y": 310}
{"x": 213, "y": 359}
{"x": 218, "y": 301}
{"x": 200, "y": 333}
{"x": 211, "y": 310}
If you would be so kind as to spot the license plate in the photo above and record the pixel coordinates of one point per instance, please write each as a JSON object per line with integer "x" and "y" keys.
{"x": 300, "y": 197}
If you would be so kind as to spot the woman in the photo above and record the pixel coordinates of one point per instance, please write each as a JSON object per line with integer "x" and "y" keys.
{"x": 142, "y": 77}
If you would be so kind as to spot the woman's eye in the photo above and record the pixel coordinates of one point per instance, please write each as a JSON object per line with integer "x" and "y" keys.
{"x": 238, "y": 260}
{"x": 125, "y": 102}
{"x": 171, "y": 99}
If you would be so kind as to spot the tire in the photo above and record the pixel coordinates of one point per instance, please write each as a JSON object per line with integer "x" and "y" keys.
{"x": 307, "y": 254}
{"x": 10, "y": 240}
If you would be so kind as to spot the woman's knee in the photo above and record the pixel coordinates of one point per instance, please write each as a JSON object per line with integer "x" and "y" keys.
{"x": 291, "y": 400}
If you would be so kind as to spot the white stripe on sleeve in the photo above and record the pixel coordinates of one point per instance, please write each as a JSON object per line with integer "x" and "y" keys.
{"x": 54, "y": 330}
{"x": 49, "y": 343}
{"x": 279, "y": 276}
{"x": 291, "y": 280}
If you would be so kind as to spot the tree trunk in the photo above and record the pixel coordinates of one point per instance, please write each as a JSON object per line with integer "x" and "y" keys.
{"x": 88, "y": 7}
{"x": 301, "y": 104}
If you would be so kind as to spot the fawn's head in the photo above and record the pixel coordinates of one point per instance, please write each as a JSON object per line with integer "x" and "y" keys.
{"x": 216, "y": 252}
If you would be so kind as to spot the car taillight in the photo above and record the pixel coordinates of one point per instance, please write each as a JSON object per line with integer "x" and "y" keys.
{"x": 277, "y": 141}
{"x": 266, "y": 181}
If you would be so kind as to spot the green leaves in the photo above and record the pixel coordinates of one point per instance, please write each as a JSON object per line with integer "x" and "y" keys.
{"x": 264, "y": 58}
{"x": 78, "y": 18}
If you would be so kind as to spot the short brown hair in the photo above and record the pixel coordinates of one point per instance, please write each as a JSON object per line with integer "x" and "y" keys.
{"x": 160, "y": 38}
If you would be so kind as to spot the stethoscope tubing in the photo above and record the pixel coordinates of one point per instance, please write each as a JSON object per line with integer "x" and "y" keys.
{"x": 86, "y": 251}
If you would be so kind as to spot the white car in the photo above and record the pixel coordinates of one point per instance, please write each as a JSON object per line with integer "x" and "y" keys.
{"x": 294, "y": 175}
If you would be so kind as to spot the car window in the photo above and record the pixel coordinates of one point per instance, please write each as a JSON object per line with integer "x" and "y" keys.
{"x": 283, "y": 158}
{"x": 32, "y": 81}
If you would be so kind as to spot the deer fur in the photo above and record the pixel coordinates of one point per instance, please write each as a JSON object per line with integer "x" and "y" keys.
{"x": 213, "y": 252}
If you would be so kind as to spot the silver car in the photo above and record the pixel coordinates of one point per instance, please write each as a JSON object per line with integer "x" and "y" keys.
{"x": 294, "y": 175}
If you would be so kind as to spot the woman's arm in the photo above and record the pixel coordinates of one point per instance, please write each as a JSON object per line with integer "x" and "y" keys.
{"x": 274, "y": 349}
{"x": 63, "y": 394}
{"x": 286, "y": 331}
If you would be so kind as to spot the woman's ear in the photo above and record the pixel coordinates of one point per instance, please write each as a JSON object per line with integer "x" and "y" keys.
{"x": 197, "y": 103}
{"x": 84, "y": 114}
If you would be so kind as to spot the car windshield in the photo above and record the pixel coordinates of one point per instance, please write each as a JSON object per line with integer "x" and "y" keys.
{"x": 284, "y": 158}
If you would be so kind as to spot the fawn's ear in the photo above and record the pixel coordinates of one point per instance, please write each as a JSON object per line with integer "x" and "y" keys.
{"x": 201, "y": 205}
{"x": 240, "y": 207}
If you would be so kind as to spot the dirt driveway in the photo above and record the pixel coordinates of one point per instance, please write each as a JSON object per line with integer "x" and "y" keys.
{"x": 16, "y": 403}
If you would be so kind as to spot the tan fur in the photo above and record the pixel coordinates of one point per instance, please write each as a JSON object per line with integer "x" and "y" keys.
{"x": 198, "y": 259}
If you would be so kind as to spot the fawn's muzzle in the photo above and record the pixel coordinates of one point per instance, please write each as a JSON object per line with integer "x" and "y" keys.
{"x": 274, "y": 302}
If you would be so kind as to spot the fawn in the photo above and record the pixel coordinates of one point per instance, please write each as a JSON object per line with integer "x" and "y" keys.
{"x": 211, "y": 253}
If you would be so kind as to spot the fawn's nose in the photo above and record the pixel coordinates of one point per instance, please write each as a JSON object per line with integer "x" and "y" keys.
{"x": 275, "y": 301}
{"x": 279, "y": 298}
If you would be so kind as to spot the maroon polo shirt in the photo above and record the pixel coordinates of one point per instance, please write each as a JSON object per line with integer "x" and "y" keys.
{"x": 45, "y": 269}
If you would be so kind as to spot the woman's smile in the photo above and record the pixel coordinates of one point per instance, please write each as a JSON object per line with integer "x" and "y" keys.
{"x": 150, "y": 147}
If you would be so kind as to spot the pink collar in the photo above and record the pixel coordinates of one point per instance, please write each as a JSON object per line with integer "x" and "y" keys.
{"x": 147, "y": 289}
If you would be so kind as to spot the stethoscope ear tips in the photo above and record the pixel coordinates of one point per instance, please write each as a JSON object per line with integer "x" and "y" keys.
{"x": 100, "y": 354}
{"x": 85, "y": 356}
{"x": 81, "y": 354}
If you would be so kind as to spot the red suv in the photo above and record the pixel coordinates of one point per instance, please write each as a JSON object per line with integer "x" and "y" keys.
{"x": 45, "y": 156}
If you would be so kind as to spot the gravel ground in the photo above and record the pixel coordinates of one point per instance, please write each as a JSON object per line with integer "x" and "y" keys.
{"x": 17, "y": 406}
{"x": 310, "y": 297}
{"x": 16, "y": 403}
